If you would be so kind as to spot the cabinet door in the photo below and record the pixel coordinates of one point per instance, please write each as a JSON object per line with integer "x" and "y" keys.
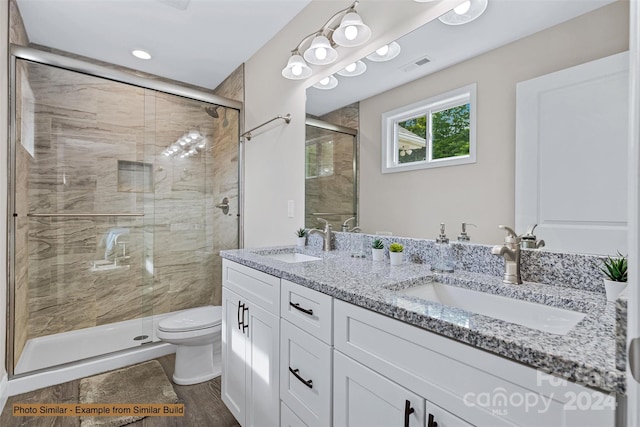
{"x": 288, "y": 418}
{"x": 364, "y": 398}
{"x": 262, "y": 379}
{"x": 234, "y": 361}
{"x": 436, "y": 414}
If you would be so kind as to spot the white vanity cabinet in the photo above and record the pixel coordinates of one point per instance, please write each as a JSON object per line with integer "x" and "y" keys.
{"x": 296, "y": 357}
{"x": 459, "y": 384}
{"x": 250, "y": 345}
{"x": 306, "y": 354}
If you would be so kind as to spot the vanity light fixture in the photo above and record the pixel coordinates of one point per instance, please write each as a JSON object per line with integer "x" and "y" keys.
{"x": 464, "y": 12}
{"x": 141, "y": 54}
{"x": 296, "y": 68}
{"x": 352, "y": 31}
{"x": 385, "y": 53}
{"x": 353, "y": 69}
{"x": 327, "y": 83}
{"x": 321, "y": 51}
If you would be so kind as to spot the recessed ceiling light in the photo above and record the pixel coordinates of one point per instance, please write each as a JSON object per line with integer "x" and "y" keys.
{"x": 141, "y": 54}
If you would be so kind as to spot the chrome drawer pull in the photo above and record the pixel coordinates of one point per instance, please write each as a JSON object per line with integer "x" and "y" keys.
{"x": 304, "y": 310}
{"x": 308, "y": 383}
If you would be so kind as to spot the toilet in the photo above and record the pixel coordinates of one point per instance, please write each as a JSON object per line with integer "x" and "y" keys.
{"x": 197, "y": 334}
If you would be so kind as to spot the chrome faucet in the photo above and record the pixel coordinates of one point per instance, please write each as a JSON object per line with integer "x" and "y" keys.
{"x": 510, "y": 250}
{"x": 345, "y": 226}
{"x": 529, "y": 241}
{"x": 326, "y": 234}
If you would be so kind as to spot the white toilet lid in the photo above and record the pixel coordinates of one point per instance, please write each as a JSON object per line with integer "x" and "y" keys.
{"x": 192, "y": 319}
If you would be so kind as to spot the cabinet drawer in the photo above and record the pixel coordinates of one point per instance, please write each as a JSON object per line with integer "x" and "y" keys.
{"x": 309, "y": 310}
{"x": 305, "y": 375}
{"x": 288, "y": 418}
{"x": 260, "y": 288}
{"x": 459, "y": 377}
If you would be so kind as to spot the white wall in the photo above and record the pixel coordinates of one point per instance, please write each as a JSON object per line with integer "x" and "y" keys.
{"x": 274, "y": 158}
{"x": 4, "y": 100}
{"x": 414, "y": 203}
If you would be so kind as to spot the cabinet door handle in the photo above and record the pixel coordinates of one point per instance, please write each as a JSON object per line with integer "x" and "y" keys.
{"x": 240, "y": 310}
{"x": 408, "y": 410}
{"x": 432, "y": 422}
{"x": 304, "y": 310}
{"x": 295, "y": 372}
{"x": 245, "y": 324}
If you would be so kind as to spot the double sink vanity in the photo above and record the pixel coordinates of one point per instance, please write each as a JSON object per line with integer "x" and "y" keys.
{"x": 317, "y": 338}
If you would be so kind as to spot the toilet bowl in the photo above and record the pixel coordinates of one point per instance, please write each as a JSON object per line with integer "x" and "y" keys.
{"x": 197, "y": 334}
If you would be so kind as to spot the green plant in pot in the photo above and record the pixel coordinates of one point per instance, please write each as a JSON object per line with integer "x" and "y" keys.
{"x": 301, "y": 235}
{"x": 396, "y": 253}
{"x": 377, "y": 250}
{"x": 615, "y": 270}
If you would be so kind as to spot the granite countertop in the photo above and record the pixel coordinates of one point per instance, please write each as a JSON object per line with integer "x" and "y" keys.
{"x": 586, "y": 354}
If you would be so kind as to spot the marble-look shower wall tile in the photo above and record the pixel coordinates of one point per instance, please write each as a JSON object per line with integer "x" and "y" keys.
{"x": 18, "y": 36}
{"x": 84, "y": 126}
{"x": 334, "y": 193}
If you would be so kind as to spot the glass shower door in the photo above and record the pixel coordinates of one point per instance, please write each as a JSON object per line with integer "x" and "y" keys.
{"x": 330, "y": 175}
{"x": 81, "y": 180}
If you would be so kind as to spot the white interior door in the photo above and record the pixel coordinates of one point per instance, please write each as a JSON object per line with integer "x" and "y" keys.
{"x": 633, "y": 291}
{"x": 571, "y": 156}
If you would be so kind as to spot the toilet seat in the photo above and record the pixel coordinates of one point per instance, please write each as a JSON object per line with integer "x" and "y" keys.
{"x": 192, "y": 319}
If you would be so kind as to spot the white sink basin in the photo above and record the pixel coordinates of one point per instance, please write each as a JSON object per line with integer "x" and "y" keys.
{"x": 293, "y": 257}
{"x": 536, "y": 316}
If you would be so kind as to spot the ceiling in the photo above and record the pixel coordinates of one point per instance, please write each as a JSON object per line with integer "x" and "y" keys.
{"x": 194, "y": 41}
{"x": 201, "y": 42}
{"x": 503, "y": 22}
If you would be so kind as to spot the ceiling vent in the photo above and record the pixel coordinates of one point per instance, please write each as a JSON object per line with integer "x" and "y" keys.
{"x": 415, "y": 64}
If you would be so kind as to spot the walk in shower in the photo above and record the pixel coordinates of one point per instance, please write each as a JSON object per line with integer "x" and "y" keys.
{"x": 330, "y": 174}
{"x": 121, "y": 197}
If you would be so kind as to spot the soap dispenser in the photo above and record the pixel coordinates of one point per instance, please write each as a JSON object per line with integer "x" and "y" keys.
{"x": 464, "y": 237}
{"x": 443, "y": 256}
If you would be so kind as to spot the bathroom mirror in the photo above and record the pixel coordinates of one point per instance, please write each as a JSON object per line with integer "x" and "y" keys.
{"x": 512, "y": 42}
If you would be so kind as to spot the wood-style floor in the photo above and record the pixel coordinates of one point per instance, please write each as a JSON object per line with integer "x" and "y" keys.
{"x": 203, "y": 405}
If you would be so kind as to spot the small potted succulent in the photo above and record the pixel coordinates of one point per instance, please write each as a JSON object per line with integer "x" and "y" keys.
{"x": 301, "y": 235}
{"x": 616, "y": 272}
{"x": 377, "y": 249}
{"x": 395, "y": 253}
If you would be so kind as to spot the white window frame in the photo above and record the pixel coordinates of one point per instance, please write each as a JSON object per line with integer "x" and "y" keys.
{"x": 426, "y": 107}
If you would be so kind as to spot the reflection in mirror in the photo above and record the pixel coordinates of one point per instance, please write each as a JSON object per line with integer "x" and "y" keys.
{"x": 435, "y": 132}
{"x": 330, "y": 181}
{"x": 511, "y": 42}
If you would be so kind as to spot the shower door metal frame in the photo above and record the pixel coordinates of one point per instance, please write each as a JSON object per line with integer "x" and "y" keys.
{"x": 95, "y": 70}
{"x": 321, "y": 124}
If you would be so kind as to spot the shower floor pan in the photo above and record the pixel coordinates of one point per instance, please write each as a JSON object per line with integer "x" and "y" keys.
{"x": 72, "y": 346}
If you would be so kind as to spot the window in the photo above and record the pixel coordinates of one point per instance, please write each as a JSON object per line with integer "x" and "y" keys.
{"x": 319, "y": 158}
{"x": 439, "y": 131}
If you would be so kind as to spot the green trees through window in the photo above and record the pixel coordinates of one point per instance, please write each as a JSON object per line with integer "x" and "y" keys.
{"x": 435, "y": 132}
{"x": 449, "y": 135}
